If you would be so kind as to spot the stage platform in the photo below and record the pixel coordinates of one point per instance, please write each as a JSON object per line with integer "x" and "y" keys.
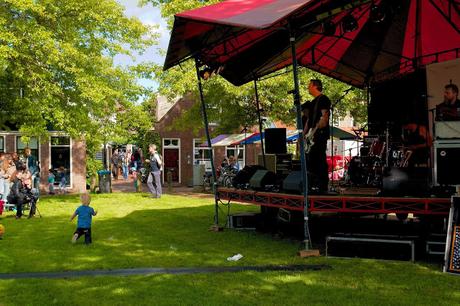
{"x": 340, "y": 203}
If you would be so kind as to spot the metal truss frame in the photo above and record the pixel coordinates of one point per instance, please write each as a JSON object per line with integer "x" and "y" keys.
{"x": 340, "y": 203}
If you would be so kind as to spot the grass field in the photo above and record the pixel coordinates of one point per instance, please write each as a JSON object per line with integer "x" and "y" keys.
{"x": 132, "y": 230}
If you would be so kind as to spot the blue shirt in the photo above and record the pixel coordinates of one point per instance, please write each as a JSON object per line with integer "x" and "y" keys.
{"x": 85, "y": 215}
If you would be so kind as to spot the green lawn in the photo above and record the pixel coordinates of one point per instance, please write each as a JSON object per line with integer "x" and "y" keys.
{"x": 132, "y": 230}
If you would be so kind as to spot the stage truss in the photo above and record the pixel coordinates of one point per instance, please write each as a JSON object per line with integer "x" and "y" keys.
{"x": 340, "y": 203}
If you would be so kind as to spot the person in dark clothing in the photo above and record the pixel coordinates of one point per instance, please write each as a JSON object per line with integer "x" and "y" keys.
{"x": 316, "y": 133}
{"x": 154, "y": 178}
{"x": 417, "y": 143}
{"x": 449, "y": 109}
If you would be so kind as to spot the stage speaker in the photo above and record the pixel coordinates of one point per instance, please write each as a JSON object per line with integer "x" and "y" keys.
{"x": 293, "y": 182}
{"x": 447, "y": 163}
{"x": 241, "y": 179}
{"x": 262, "y": 178}
{"x": 275, "y": 141}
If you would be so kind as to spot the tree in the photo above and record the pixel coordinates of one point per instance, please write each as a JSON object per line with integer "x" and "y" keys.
{"x": 233, "y": 107}
{"x": 57, "y": 69}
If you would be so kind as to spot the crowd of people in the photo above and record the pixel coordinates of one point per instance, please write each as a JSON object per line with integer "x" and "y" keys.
{"x": 19, "y": 181}
{"x": 126, "y": 162}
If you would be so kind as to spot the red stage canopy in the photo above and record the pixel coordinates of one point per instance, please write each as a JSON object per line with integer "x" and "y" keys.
{"x": 250, "y": 39}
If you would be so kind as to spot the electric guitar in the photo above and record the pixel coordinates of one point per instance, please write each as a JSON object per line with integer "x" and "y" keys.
{"x": 308, "y": 139}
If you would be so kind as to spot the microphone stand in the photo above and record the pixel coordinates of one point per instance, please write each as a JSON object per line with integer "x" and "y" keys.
{"x": 345, "y": 93}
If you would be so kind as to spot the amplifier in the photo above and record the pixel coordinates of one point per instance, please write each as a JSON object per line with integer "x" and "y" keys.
{"x": 446, "y": 162}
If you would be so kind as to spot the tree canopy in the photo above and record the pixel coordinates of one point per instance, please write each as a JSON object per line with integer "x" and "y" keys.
{"x": 57, "y": 69}
{"x": 233, "y": 107}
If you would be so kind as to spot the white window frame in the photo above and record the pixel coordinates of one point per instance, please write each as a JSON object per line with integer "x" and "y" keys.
{"x": 70, "y": 146}
{"x": 178, "y": 146}
{"x": 4, "y": 144}
{"x": 206, "y": 162}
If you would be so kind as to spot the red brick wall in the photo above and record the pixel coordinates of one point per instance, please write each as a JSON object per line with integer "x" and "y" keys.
{"x": 186, "y": 137}
{"x": 186, "y": 141}
{"x": 78, "y": 161}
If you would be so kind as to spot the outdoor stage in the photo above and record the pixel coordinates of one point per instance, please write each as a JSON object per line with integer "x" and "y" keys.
{"x": 340, "y": 203}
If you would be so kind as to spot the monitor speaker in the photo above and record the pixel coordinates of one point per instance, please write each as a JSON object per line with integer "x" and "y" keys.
{"x": 241, "y": 179}
{"x": 293, "y": 182}
{"x": 275, "y": 141}
{"x": 262, "y": 178}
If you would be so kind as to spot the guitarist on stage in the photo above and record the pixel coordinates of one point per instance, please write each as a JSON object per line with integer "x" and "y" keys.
{"x": 316, "y": 133}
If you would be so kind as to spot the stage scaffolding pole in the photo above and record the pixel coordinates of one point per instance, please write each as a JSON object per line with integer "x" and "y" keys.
{"x": 260, "y": 120}
{"x": 303, "y": 162}
{"x": 208, "y": 139}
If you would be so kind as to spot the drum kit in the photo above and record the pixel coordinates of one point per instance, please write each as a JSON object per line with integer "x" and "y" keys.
{"x": 377, "y": 155}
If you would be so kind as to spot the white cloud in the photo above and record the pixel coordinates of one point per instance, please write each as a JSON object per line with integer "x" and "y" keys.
{"x": 148, "y": 15}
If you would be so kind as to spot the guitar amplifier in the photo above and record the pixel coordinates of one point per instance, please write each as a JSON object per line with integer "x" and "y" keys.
{"x": 446, "y": 162}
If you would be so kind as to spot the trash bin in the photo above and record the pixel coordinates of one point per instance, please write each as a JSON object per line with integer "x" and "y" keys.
{"x": 105, "y": 182}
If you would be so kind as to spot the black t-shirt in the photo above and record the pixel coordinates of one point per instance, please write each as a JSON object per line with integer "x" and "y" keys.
{"x": 448, "y": 112}
{"x": 315, "y": 107}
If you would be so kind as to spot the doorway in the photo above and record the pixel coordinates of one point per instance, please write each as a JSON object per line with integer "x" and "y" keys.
{"x": 171, "y": 158}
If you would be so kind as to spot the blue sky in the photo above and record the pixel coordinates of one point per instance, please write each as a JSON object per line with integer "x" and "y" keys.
{"x": 149, "y": 15}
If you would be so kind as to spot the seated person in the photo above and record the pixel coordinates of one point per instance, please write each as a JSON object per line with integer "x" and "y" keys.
{"x": 417, "y": 142}
{"x": 449, "y": 109}
{"x": 233, "y": 164}
{"x": 21, "y": 190}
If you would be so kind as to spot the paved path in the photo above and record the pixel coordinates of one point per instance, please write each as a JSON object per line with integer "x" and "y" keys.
{"x": 151, "y": 271}
{"x": 122, "y": 185}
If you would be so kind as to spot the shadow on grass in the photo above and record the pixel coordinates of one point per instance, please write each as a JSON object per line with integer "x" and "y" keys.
{"x": 246, "y": 288}
{"x": 159, "y": 237}
{"x": 134, "y": 231}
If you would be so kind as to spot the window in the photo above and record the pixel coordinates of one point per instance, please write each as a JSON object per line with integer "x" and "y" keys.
{"x": 2, "y": 144}
{"x": 60, "y": 157}
{"x": 171, "y": 142}
{"x": 32, "y": 144}
{"x": 202, "y": 154}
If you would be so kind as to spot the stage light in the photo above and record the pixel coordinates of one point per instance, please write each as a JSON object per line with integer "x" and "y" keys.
{"x": 349, "y": 24}
{"x": 328, "y": 28}
{"x": 377, "y": 13}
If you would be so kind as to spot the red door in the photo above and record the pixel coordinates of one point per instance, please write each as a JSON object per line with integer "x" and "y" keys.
{"x": 171, "y": 163}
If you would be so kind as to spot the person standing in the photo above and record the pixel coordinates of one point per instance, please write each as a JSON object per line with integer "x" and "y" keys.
{"x": 114, "y": 162}
{"x": 124, "y": 164}
{"x": 449, "y": 109}
{"x": 154, "y": 178}
{"x": 316, "y": 134}
{"x": 32, "y": 166}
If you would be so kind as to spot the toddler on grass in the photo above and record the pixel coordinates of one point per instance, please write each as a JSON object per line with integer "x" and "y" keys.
{"x": 85, "y": 215}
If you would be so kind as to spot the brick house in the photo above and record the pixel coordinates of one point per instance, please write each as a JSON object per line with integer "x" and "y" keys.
{"x": 58, "y": 150}
{"x": 183, "y": 149}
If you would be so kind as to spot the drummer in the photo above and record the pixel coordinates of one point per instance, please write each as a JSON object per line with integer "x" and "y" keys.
{"x": 416, "y": 144}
